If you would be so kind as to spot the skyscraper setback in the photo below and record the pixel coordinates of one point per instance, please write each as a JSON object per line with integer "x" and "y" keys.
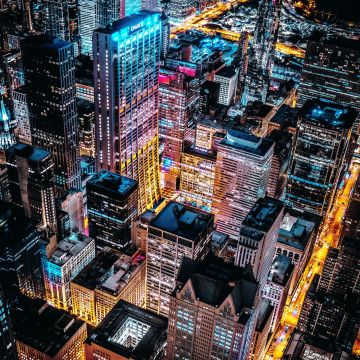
{"x": 126, "y": 68}
{"x": 49, "y": 67}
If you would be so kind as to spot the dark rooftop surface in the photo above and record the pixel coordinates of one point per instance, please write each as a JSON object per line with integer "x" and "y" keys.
{"x": 281, "y": 270}
{"x": 112, "y": 184}
{"x": 107, "y": 334}
{"x": 265, "y": 311}
{"x": 182, "y": 220}
{"x": 44, "y": 327}
{"x": 44, "y": 41}
{"x": 32, "y": 153}
{"x": 226, "y": 71}
{"x": 328, "y": 115}
{"x": 214, "y": 280}
{"x": 247, "y": 142}
{"x": 192, "y": 150}
{"x": 263, "y": 214}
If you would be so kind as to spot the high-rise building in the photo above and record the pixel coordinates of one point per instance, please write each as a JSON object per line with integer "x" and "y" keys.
{"x": 258, "y": 237}
{"x": 72, "y": 254}
{"x": 212, "y": 311}
{"x": 7, "y": 341}
{"x": 111, "y": 206}
{"x": 197, "y": 177}
{"x": 330, "y": 72}
{"x": 177, "y": 231}
{"x": 128, "y": 332}
{"x": 7, "y": 137}
{"x": 318, "y": 157}
{"x": 31, "y": 183}
{"x": 242, "y": 174}
{"x": 262, "y": 51}
{"x": 126, "y": 101}
{"x": 49, "y": 67}
{"x": 178, "y": 104}
{"x": 111, "y": 276}
{"x": 20, "y": 259}
{"x": 227, "y": 77}
{"x": 277, "y": 287}
{"x": 179, "y": 11}
{"x": 86, "y": 113}
{"x": 21, "y": 113}
{"x": 44, "y": 332}
{"x": 61, "y": 20}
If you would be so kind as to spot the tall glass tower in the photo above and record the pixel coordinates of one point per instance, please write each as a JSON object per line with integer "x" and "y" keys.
{"x": 126, "y": 70}
{"x": 49, "y": 67}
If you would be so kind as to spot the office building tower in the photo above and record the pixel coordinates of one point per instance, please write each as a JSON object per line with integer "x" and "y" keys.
{"x": 86, "y": 113}
{"x": 14, "y": 73}
{"x": 212, "y": 311}
{"x": 227, "y": 77}
{"x": 61, "y": 20}
{"x": 20, "y": 261}
{"x": 72, "y": 204}
{"x": 84, "y": 79}
{"x": 111, "y": 207}
{"x": 7, "y": 341}
{"x": 318, "y": 157}
{"x": 111, "y": 276}
{"x": 72, "y": 254}
{"x": 7, "y": 137}
{"x": 44, "y": 332}
{"x": 49, "y": 67}
{"x": 179, "y": 11}
{"x": 277, "y": 287}
{"x": 258, "y": 237}
{"x": 126, "y": 102}
{"x": 296, "y": 239}
{"x": 262, "y": 51}
{"x": 128, "y": 332}
{"x": 177, "y": 231}
{"x": 21, "y": 113}
{"x": 197, "y": 177}
{"x": 330, "y": 72}
{"x": 31, "y": 183}
{"x": 178, "y": 104}
{"x": 139, "y": 231}
{"x": 242, "y": 174}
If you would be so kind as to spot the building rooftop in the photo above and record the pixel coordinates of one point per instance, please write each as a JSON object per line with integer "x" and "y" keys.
{"x": 44, "y": 327}
{"x": 297, "y": 228}
{"x": 32, "y": 153}
{"x": 247, "y": 142}
{"x": 227, "y": 72}
{"x": 70, "y": 247}
{"x": 110, "y": 271}
{"x": 281, "y": 270}
{"x": 192, "y": 150}
{"x": 213, "y": 280}
{"x": 116, "y": 332}
{"x": 328, "y": 115}
{"x": 263, "y": 214}
{"x": 44, "y": 41}
{"x": 111, "y": 184}
{"x": 183, "y": 220}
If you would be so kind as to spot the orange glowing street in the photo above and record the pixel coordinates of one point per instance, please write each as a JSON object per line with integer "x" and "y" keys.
{"x": 328, "y": 237}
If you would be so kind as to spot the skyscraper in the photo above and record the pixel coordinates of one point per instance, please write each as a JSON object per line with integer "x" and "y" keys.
{"x": 262, "y": 51}
{"x": 112, "y": 205}
{"x": 177, "y": 231}
{"x": 178, "y": 105}
{"x": 126, "y": 70}
{"x": 21, "y": 113}
{"x": 330, "y": 72}
{"x": 318, "y": 158}
{"x": 241, "y": 177}
{"x": 49, "y": 67}
{"x": 31, "y": 180}
{"x": 7, "y": 137}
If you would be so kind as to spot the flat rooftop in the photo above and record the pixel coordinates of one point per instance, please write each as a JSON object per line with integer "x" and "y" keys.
{"x": 70, "y": 247}
{"x": 208, "y": 155}
{"x": 31, "y": 153}
{"x": 130, "y": 331}
{"x": 182, "y": 220}
{"x": 44, "y": 41}
{"x": 247, "y": 142}
{"x": 281, "y": 270}
{"x": 328, "y": 115}
{"x": 227, "y": 72}
{"x": 112, "y": 184}
{"x": 43, "y": 327}
{"x": 110, "y": 271}
{"x": 296, "y": 228}
{"x": 263, "y": 214}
